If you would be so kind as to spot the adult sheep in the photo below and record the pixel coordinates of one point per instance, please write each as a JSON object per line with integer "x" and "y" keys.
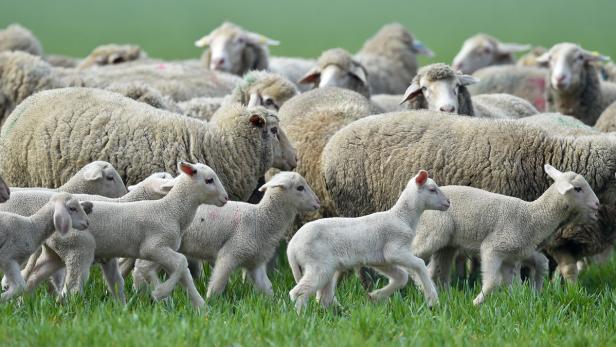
{"x": 482, "y": 50}
{"x": 63, "y": 128}
{"x": 366, "y": 164}
{"x": 17, "y": 38}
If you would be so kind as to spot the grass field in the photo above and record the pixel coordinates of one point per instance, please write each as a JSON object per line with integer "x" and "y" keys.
{"x": 579, "y": 315}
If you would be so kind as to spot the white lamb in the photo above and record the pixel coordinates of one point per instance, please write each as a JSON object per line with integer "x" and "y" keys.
{"x": 503, "y": 230}
{"x": 381, "y": 240}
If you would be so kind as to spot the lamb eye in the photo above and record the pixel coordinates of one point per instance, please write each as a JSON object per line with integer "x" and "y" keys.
{"x": 110, "y": 178}
{"x": 268, "y": 102}
{"x": 300, "y": 188}
{"x": 209, "y": 180}
{"x": 578, "y": 189}
{"x": 423, "y": 89}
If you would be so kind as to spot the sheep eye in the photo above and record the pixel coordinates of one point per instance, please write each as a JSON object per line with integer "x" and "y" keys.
{"x": 578, "y": 189}
{"x": 268, "y": 102}
{"x": 423, "y": 89}
{"x": 110, "y": 178}
{"x": 72, "y": 209}
{"x": 300, "y": 188}
{"x": 433, "y": 190}
{"x": 209, "y": 180}
{"x": 274, "y": 130}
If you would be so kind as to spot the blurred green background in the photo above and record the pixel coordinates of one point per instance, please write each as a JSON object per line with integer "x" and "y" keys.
{"x": 167, "y": 29}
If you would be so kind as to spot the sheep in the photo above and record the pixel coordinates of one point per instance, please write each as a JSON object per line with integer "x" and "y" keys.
{"x": 500, "y": 156}
{"x": 258, "y": 88}
{"x": 607, "y": 119}
{"x": 574, "y": 87}
{"x": 83, "y": 124}
{"x": 98, "y": 177}
{"x": 530, "y": 58}
{"x": 560, "y": 124}
{"x": 293, "y": 68}
{"x": 241, "y": 234}
{"x": 310, "y": 119}
{"x": 76, "y": 250}
{"x": 438, "y": 87}
{"x": 23, "y": 235}
{"x": 527, "y": 83}
{"x": 152, "y": 229}
{"x": 142, "y": 92}
{"x": 112, "y": 54}
{"x": 390, "y": 59}
{"x": 381, "y": 240}
{"x": 503, "y": 230}
{"x": 17, "y": 38}
{"x": 482, "y": 50}
{"x": 337, "y": 68}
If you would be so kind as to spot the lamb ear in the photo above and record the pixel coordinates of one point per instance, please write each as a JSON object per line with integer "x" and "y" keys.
{"x": 272, "y": 184}
{"x": 257, "y": 121}
{"x": 543, "y": 59}
{"x": 202, "y": 42}
{"x": 360, "y": 73}
{"x": 563, "y": 187}
{"x": 467, "y": 80}
{"x": 552, "y": 171}
{"x": 259, "y": 39}
{"x": 421, "y": 178}
{"x": 505, "y": 48}
{"x": 93, "y": 173}
{"x": 166, "y": 187}
{"x": 187, "y": 168}
{"x": 131, "y": 188}
{"x": 412, "y": 91}
{"x": 61, "y": 218}
{"x": 311, "y": 76}
{"x": 420, "y": 48}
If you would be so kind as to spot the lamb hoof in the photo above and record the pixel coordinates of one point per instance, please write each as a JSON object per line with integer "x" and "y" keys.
{"x": 160, "y": 293}
{"x": 198, "y": 303}
{"x": 375, "y": 296}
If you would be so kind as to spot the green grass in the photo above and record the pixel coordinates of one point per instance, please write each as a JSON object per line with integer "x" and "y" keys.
{"x": 579, "y": 315}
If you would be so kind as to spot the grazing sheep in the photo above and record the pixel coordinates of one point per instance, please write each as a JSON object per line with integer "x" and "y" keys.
{"x": 337, "y": 68}
{"x": 482, "y": 50}
{"x": 323, "y": 248}
{"x": 112, "y": 54}
{"x": 235, "y": 50}
{"x": 310, "y": 119}
{"x": 21, "y": 236}
{"x": 607, "y": 120}
{"x": 574, "y": 87}
{"x": 438, "y": 87}
{"x": 499, "y": 156}
{"x": 17, "y": 38}
{"x": 527, "y": 83}
{"x": 75, "y": 251}
{"x": 98, "y": 177}
{"x": 258, "y": 88}
{"x": 242, "y": 235}
{"x": 82, "y": 125}
{"x": 503, "y": 230}
{"x": 389, "y": 57}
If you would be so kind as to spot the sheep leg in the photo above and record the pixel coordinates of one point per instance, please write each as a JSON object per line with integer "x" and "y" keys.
{"x": 223, "y": 268}
{"x": 173, "y": 263}
{"x": 27, "y": 270}
{"x": 539, "y": 264}
{"x": 145, "y": 273}
{"x": 126, "y": 266}
{"x": 403, "y": 257}
{"x": 260, "y": 280}
{"x": 439, "y": 267}
{"x": 17, "y": 284}
{"x": 398, "y": 278}
{"x": 312, "y": 281}
{"x": 507, "y": 273}
{"x": 326, "y": 296}
{"x": 490, "y": 268}
{"x": 189, "y": 285}
{"x": 114, "y": 279}
{"x": 46, "y": 265}
{"x": 567, "y": 265}
{"x": 196, "y": 268}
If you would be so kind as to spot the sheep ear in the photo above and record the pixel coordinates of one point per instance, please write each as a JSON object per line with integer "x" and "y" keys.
{"x": 87, "y": 206}
{"x": 421, "y": 178}
{"x": 563, "y": 187}
{"x": 594, "y": 56}
{"x": 187, "y": 168}
{"x": 311, "y": 76}
{"x": 467, "y": 80}
{"x": 257, "y": 121}
{"x": 93, "y": 173}
{"x": 506, "y": 48}
{"x": 254, "y": 100}
{"x": 61, "y": 218}
{"x": 543, "y": 59}
{"x": 272, "y": 184}
{"x": 552, "y": 171}
{"x": 165, "y": 187}
{"x": 420, "y": 48}
{"x": 359, "y": 72}
{"x": 259, "y": 39}
{"x": 412, "y": 91}
{"x": 204, "y": 41}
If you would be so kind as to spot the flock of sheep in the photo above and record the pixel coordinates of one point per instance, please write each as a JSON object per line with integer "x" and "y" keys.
{"x": 332, "y": 154}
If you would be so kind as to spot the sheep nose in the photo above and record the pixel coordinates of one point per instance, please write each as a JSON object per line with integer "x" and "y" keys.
{"x": 560, "y": 78}
{"x": 447, "y": 108}
{"x": 218, "y": 62}
{"x": 226, "y": 198}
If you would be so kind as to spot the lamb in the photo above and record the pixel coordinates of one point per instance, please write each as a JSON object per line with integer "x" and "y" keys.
{"x": 242, "y": 235}
{"x": 83, "y": 124}
{"x": 527, "y": 83}
{"x": 21, "y": 236}
{"x": 470, "y": 152}
{"x": 390, "y": 59}
{"x": 482, "y": 50}
{"x": 381, "y": 240}
{"x": 310, "y": 119}
{"x": 337, "y": 68}
{"x": 112, "y": 54}
{"x": 17, "y": 38}
{"x": 574, "y": 86}
{"x": 258, "y": 88}
{"x": 503, "y": 230}
{"x": 98, "y": 177}
{"x": 438, "y": 87}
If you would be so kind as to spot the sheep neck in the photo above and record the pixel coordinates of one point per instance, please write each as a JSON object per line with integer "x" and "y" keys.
{"x": 42, "y": 221}
{"x": 581, "y": 100}
{"x": 275, "y": 212}
{"x": 548, "y": 213}
{"x": 182, "y": 201}
{"x": 407, "y": 208}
